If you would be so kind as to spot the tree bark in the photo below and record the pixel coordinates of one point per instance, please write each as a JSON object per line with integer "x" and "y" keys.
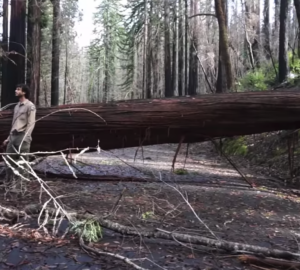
{"x": 266, "y": 29}
{"x": 157, "y": 121}
{"x": 4, "y": 78}
{"x": 223, "y": 45}
{"x": 297, "y": 7}
{"x": 17, "y": 49}
{"x": 168, "y": 68}
{"x": 34, "y": 36}
{"x": 55, "y": 53}
{"x": 180, "y": 52}
{"x": 283, "y": 42}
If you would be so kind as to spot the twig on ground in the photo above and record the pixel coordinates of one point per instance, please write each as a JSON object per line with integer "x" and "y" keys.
{"x": 189, "y": 205}
{"x": 88, "y": 249}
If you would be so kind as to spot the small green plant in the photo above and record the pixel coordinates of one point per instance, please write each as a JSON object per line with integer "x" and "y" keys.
{"x": 89, "y": 230}
{"x": 181, "y": 172}
{"x": 235, "y": 146}
{"x": 147, "y": 215}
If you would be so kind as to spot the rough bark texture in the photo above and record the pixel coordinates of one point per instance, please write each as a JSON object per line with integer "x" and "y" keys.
{"x": 157, "y": 121}
{"x": 223, "y": 39}
{"x": 297, "y": 7}
{"x": 283, "y": 42}
{"x": 168, "y": 68}
{"x": 266, "y": 29}
{"x": 17, "y": 51}
{"x": 34, "y": 49}
{"x": 4, "y": 78}
{"x": 55, "y": 53}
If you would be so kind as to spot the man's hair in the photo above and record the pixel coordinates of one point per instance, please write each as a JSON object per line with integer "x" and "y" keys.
{"x": 25, "y": 89}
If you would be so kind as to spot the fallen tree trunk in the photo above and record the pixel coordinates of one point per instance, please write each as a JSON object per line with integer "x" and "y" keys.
{"x": 145, "y": 122}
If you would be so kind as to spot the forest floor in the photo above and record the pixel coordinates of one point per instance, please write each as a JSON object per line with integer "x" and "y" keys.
{"x": 266, "y": 215}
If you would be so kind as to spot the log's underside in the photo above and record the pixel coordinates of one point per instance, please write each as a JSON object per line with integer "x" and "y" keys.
{"x": 145, "y": 122}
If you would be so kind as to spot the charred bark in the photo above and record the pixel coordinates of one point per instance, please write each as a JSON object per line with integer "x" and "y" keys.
{"x": 157, "y": 121}
{"x": 4, "y": 78}
{"x": 34, "y": 35}
{"x": 17, "y": 50}
{"x": 225, "y": 65}
{"x": 283, "y": 42}
{"x": 168, "y": 68}
{"x": 55, "y": 53}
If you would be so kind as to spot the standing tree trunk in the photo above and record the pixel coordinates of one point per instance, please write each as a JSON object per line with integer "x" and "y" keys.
{"x": 180, "y": 51}
{"x": 34, "y": 36}
{"x": 67, "y": 73}
{"x": 55, "y": 53}
{"x": 4, "y": 79}
{"x": 149, "y": 53}
{"x": 174, "y": 66}
{"x": 193, "y": 67}
{"x": 168, "y": 71}
{"x": 186, "y": 83}
{"x": 266, "y": 29}
{"x": 16, "y": 63}
{"x": 297, "y": 7}
{"x": 283, "y": 42}
{"x": 145, "y": 51}
{"x": 223, "y": 50}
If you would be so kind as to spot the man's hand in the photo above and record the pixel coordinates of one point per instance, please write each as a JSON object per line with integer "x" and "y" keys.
{"x": 4, "y": 144}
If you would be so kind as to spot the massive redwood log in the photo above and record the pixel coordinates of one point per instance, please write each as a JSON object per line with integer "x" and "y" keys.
{"x": 145, "y": 122}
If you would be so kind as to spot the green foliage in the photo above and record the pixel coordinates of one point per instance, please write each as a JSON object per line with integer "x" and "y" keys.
{"x": 235, "y": 146}
{"x": 147, "y": 215}
{"x": 294, "y": 63}
{"x": 181, "y": 172}
{"x": 258, "y": 80}
{"x": 89, "y": 230}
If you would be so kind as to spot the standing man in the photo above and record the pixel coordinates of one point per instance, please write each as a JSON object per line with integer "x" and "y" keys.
{"x": 22, "y": 126}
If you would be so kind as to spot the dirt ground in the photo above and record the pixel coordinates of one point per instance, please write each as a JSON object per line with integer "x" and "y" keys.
{"x": 266, "y": 215}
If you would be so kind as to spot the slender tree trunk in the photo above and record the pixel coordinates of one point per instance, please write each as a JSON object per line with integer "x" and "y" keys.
{"x": 193, "y": 67}
{"x": 149, "y": 53}
{"x": 66, "y": 72}
{"x": 266, "y": 29}
{"x": 224, "y": 52}
{"x": 174, "y": 66}
{"x": 297, "y": 7}
{"x": 186, "y": 83}
{"x": 4, "y": 79}
{"x": 145, "y": 52}
{"x": 168, "y": 70}
{"x": 55, "y": 53}
{"x": 283, "y": 42}
{"x": 180, "y": 50}
{"x": 34, "y": 36}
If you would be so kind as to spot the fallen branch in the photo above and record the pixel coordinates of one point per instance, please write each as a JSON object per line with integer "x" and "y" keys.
{"x": 88, "y": 249}
{"x": 228, "y": 246}
{"x": 269, "y": 262}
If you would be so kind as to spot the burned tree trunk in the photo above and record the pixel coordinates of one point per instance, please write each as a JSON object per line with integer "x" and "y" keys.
{"x": 145, "y": 122}
{"x": 4, "y": 79}
{"x": 34, "y": 35}
{"x": 225, "y": 77}
{"x": 283, "y": 42}
{"x": 17, "y": 50}
{"x": 55, "y": 53}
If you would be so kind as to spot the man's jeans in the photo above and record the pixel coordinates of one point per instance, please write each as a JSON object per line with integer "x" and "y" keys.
{"x": 13, "y": 146}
